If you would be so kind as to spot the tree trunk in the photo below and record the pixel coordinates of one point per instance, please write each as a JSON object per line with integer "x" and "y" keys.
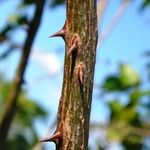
{"x": 18, "y": 80}
{"x": 75, "y": 103}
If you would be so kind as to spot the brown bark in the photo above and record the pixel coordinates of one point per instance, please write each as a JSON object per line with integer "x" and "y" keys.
{"x": 18, "y": 80}
{"x": 76, "y": 96}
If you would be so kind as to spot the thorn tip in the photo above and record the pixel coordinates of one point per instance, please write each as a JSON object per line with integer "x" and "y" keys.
{"x": 60, "y": 33}
{"x": 53, "y": 138}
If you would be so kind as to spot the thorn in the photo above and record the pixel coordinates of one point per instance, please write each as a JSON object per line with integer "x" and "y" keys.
{"x": 60, "y": 33}
{"x": 80, "y": 71}
{"x": 53, "y": 138}
{"x": 74, "y": 46}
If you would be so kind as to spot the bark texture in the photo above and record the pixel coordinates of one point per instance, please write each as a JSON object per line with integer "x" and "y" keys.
{"x": 75, "y": 102}
{"x": 18, "y": 80}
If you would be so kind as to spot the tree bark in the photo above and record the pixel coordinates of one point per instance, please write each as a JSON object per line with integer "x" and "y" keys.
{"x": 18, "y": 80}
{"x": 75, "y": 102}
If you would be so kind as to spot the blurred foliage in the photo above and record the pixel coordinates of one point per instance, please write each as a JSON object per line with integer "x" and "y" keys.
{"x": 145, "y": 4}
{"x": 55, "y": 3}
{"x": 19, "y": 19}
{"x": 126, "y": 123}
{"x": 28, "y": 2}
{"x": 22, "y": 132}
{"x": 126, "y": 79}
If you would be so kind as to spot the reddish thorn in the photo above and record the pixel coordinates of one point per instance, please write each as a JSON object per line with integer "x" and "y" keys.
{"x": 53, "y": 138}
{"x": 73, "y": 47}
{"x": 80, "y": 71}
{"x": 81, "y": 76}
{"x": 60, "y": 33}
{"x": 46, "y": 139}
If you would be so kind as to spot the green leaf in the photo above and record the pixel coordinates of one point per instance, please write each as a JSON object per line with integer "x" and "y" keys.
{"x": 125, "y": 79}
{"x": 115, "y": 107}
{"x": 12, "y": 144}
{"x": 18, "y": 19}
{"x": 28, "y": 111}
{"x": 22, "y": 134}
{"x": 145, "y": 4}
{"x": 112, "y": 83}
{"x": 136, "y": 95}
{"x": 128, "y": 76}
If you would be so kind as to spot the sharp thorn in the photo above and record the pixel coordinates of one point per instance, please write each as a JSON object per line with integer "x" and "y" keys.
{"x": 75, "y": 43}
{"x": 80, "y": 71}
{"x": 56, "y": 135}
{"x": 52, "y": 138}
{"x": 60, "y": 33}
{"x": 81, "y": 76}
{"x": 46, "y": 139}
{"x": 73, "y": 47}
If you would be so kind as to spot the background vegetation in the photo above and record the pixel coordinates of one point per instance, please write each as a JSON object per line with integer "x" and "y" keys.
{"x": 126, "y": 93}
